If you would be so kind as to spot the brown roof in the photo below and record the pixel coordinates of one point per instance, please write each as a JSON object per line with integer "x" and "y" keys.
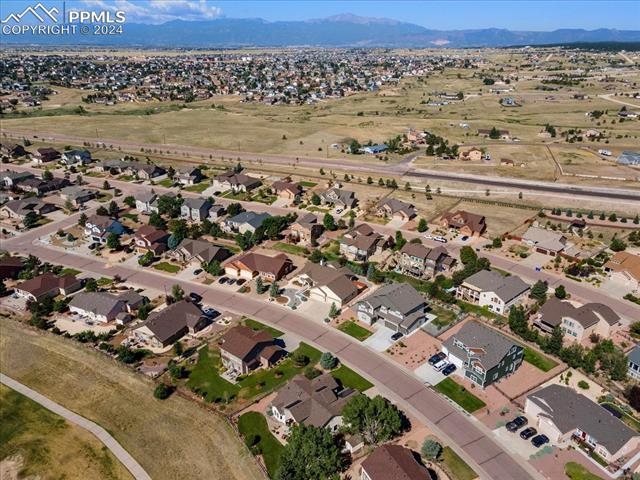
{"x": 394, "y": 462}
{"x": 150, "y": 233}
{"x": 257, "y": 262}
{"x": 43, "y": 284}
{"x": 462, "y": 218}
{"x": 337, "y": 279}
{"x": 625, "y": 262}
{"x": 292, "y": 187}
{"x": 175, "y": 318}
{"x": 241, "y": 341}
{"x": 420, "y": 251}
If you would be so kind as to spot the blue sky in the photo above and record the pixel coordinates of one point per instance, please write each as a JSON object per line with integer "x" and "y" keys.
{"x": 445, "y": 15}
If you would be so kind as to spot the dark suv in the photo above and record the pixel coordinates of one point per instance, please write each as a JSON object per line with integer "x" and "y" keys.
{"x": 527, "y": 433}
{"x": 437, "y": 357}
{"x": 517, "y": 423}
{"x": 539, "y": 440}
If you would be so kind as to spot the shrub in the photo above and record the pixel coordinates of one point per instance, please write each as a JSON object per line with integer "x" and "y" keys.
{"x": 583, "y": 385}
{"x": 162, "y": 391}
{"x": 431, "y": 449}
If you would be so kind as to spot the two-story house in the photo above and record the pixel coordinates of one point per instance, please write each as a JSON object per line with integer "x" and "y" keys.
{"x": 195, "y": 209}
{"x": 493, "y": 290}
{"x": 396, "y": 209}
{"x": 236, "y": 182}
{"x": 243, "y": 349}
{"x": 483, "y": 355}
{"x": 397, "y": 306}
{"x": 189, "y": 176}
{"x": 329, "y": 283}
{"x": 419, "y": 261}
{"x": 306, "y": 229}
{"x": 145, "y": 202}
{"x": 466, "y": 223}
{"x": 45, "y": 155}
{"x": 244, "y": 222}
{"x": 362, "y": 242}
{"x": 75, "y": 157}
{"x": 393, "y": 462}
{"x": 199, "y": 251}
{"x": 98, "y": 227}
{"x": 339, "y": 198}
{"x": 148, "y": 238}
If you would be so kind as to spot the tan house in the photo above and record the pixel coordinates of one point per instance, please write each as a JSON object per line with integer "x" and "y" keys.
{"x": 562, "y": 414}
{"x": 625, "y": 266}
{"x": 306, "y": 229}
{"x": 171, "y": 324}
{"x": 362, "y": 242}
{"x": 252, "y": 264}
{"x": 424, "y": 262}
{"x": 465, "y": 222}
{"x": 545, "y": 241}
{"x": 577, "y": 323}
{"x": 199, "y": 251}
{"x": 396, "y": 209}
{"x": 393, "y": 462}
{"x": 329, "y": 283}
{"x": 150, "y": 239}
{"x": 473, "y": 155}
{"x": 287, "y": 190}
{"x": 47, "y": 285}
{"x": 243, "y": 349}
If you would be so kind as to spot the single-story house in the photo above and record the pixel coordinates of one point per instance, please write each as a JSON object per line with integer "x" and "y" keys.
{"x": 98, "y": 306}
{"x": 625, "y": 266}
{"x": 253, "y": 264}
{"x": 170, "y": 324}
{"x": 199, "y": 251}
{"x": 375, "y": 149}
{"x": 473, "y": 155}
{"x": 12, "y": 150}
{"x": 77, "y": 195}
{"x": 45, "y": 155}
{"x": 545, "y": 241}
{"x": 47, "y": 285}
{"x": 19, "y": 209}
{"x": 236, "y": 182}
{"x": 397, "y": 209}
{"x": 340, "y": 198}
{"x": 393, "y": 462}
{"x": 244, "y": 222}
{"x": 40, "y": 187}
{"x": 287, "y": 190}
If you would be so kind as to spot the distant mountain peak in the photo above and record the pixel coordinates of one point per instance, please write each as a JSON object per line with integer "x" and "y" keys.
{"x": 356, "y": 19}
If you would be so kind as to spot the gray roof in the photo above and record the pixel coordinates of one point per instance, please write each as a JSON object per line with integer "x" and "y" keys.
{"x": 629, "y": 158}
{"x": 252, "y": 218}
{"x": 76, "y": 192}
{"x": 100, "y": 303}
{"x": 569, "y": 410}
{"x": 146, "y": 196}
{"x": 396, "y": 205}
{"x": 338, "y": 280}
{"x": 505, "y": 287}
{"x": 543, "y": 238}
{"x": 196, "y": 203}
{"x": 482, "y": 343}
{"x": 634, "y": 355}
{"x": 13, "y": 176}
{"x": 554, "y": 310}
{"x": 174, "y": 319}
{"x": 398, "y": 297}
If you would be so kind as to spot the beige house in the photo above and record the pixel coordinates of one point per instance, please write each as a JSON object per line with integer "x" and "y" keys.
{"x": 472, "y": 155}
{"x": 562, "y": 414}
{"x": 625, "y": 267}
{"x": 493, "y": 290}
{"x": 329, "y": 283}
{"x": 252, "y": 264}
{"x": 577, "y": 323}
{"x": 244, "y": 349}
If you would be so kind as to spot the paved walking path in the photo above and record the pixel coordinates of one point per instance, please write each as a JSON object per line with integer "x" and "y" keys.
{"x": 121, "y": 454}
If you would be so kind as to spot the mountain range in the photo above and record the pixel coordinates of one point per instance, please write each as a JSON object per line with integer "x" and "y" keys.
{"x": 344, "y": 30}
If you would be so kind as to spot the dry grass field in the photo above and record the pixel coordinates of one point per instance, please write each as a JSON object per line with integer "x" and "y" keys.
{"x": 36, "y": 442}
{"x": 499, "y": 219}
{"x": 159, "y": 434}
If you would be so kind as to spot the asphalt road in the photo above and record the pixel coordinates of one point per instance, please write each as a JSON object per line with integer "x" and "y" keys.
{"x": 353, "y": 164}
{"x": 120, "y": 453}
{"x": 467, "y": 436}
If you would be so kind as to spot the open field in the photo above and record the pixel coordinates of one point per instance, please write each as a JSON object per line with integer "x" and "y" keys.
{"x": 122, "y": 402}
{"x": 499, "y": 220}
{"x": 48, "y": 446}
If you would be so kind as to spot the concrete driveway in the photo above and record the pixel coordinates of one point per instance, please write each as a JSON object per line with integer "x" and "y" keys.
{"x": 427, "y": 374}
{"x": 395, "y": 223}
{"x": 381, "y": 339}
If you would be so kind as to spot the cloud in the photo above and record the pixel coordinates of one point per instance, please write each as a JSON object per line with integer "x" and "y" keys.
{"x": 159, "y": 11}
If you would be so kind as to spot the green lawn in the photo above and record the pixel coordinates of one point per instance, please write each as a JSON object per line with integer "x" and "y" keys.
{"x": 267, "y": 199}
{"x": 307, "y": 184}
{"x": 69, "y": 271}
{"x": 460, "y": 395}
{"x": 126, "y": 178}
{"x": 538, "y": 360}
{"x": 104, "y": 281}
{"x": 575, "y": 471}
{"x": 313, "y": 208}
{"x": 131, "y": 216}
{"x": 197, "y": 188}
{"x": 205, "y": 378}
{"x": 167, "y": 182}
{"x": 445, "y": 317}
{"x": 350, "y": 379}
{"x": 292, "y": 249}
{"x": 356, "y": 331}
{"x": 167, "y": 267}
{"x": 254, "y": 324}
{"x": 457, "y": 467}
{"x": 253, "y": 428}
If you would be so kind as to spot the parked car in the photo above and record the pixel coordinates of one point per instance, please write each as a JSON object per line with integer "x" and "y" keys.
{"x": 440, "y": 239}
{"x": 465, "y": 238}
{"x": 449, "y": 369}
{"x": 223, "y": 280}
{"x": 195, "y": 297}
{"x": 539, "y": 440}
{"x": 198, "y": 271}
{"x": 231, "y": 281}
{"x": 428, "y": 236}
{"x": 241, "y": 281}
{"x": 440, "y": 365}
{"x": 210, "y": 312}
{"x": 527, "y": 433}
{"x": 517, "y": 423}
{"x": 396, "y": 336}
{"x": 93, "y": 246}
{"x": 437, "y": 357}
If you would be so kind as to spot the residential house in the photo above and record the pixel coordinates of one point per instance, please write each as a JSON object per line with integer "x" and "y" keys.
{"x": 45, "y": 155}
{"x": 493, "y": 290}
{"x": 19, "y": 209}
{"x": 195, "y": 209}
{"x": 577, "y": 323}
{"x": 397, "y": 306}
{"x": 199, "y": 251}
{"x": 306, "y": 229}
{"x": 375, "y": 149}
{"x": 465, "y": 222}
{"x": 344, "y": 199}
{"x": 473, "y": 155}
{"x": 148, "y": 238}
{"x": 633, "y": 360}
{"x": 189, "y": 176}
{"x": 287, "y": 190}
{"x": 545, "y": 241}
{"x": 98, "y": 306}
{"x": 318, "y": 402}
{"x": 144, "y": 171}
{"x": 216, "y": 212}
{"x": 562, "y": 414}
{"x": 236, "y": 182}
{"x": 243, "y": 349}
{"x": 10, "y": 267}
{"x": 12, "y": 150}
{"x": 77, "y": 195}
{"x": 133, "y": 300}
{"x": 362, "y": 242}
{"x": 170, "y": 324}
{"x": 393, "y": 462}
{"x": 625, "y": 267}
{"x": 485, "y": 132}
{"x": 74, "y": 157}
{"x": 329, "y": 283}
{"x": 47, "y": 285}
{"x": 483, "y": 355}
{"x": 11, "y": 179}
{"x": 507, "y": 162}
{"x": 423, "y": 262}
{"x": 98, "y": 228}
{"x": 145, "y": 202}
{"x": 244, "y": 222}
{"x": 396, "y": 209}
{"x": 252, "y": 264}
{"x": 629, "y": 157}
{"x": 40, "y": 187}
